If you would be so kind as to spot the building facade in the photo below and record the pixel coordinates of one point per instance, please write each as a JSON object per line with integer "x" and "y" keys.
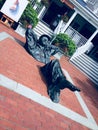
{"x": 78, "y": 19}
{"x": 81, "y": 22}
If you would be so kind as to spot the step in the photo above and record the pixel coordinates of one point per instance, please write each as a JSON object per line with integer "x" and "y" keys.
{"x": 90, "y": 60}
{"x": 88, "y": 66}
{"x": 95, "y": 80}
{"x": 85, "y": 68}
{"x": 84, "y": 59}
{"x": 45, "y": 26}
{"x": 40, "y": 32}
{"x": 41, "y": 29}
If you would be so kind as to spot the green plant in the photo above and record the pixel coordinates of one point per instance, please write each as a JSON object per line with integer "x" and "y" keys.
{"x": 65, "y": 43}
{"x": 30, "y": 15}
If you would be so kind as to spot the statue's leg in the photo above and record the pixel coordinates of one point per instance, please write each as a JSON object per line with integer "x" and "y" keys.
{"x": 50, "y": 73}
{"x": 64, "y": 83}
{"x": 49, "y": 70}
{"x": 46, "y": 71}
{"x": 54, "y": 93}
{"x": 56, "y": 80}
{"x": 73, "y": 88}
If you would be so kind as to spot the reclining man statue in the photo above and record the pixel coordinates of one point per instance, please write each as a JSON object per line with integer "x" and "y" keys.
{"x": 40, "y": 49}
{"x": 56, "y": 80}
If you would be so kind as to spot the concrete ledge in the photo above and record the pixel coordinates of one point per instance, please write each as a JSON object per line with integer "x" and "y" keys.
{"x": 4, "y": 35}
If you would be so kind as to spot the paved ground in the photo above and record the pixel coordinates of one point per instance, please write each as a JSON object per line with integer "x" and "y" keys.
{"x": 24, "y": 103}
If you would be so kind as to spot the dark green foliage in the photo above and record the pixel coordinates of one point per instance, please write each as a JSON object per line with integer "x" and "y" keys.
{"x": 1, "y": 3}
{"x": 65, "y": 43}
{"x": 30, "y": 15}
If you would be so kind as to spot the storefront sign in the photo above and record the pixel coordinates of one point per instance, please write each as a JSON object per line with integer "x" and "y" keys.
{"x": 14, "y": 8}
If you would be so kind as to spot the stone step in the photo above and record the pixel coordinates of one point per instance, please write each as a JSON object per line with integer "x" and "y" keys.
{"x": 88, "y": 66}
{"x": 41, "y": 29}
{"x": 85, "y": 67}
{"x": 90, "y": 60}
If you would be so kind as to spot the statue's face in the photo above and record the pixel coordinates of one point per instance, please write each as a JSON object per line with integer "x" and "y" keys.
{"x": 44, "y": 40}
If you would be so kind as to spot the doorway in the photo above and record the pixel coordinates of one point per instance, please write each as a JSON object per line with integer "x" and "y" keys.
{"x": 54, "y": 13}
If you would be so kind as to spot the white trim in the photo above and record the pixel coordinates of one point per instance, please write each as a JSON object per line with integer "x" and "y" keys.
{"x": 85, "y": 13}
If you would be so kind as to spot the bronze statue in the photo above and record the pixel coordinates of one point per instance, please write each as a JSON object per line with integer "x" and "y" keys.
{"x": 56, "y": 80}
{"x": 40, "y": 49}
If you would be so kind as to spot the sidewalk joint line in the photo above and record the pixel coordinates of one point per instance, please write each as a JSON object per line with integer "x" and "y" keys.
{"x": 46, "y": 102}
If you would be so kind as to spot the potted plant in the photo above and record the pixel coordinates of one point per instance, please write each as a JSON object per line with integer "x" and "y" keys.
{"x": 30, "y": 15}
{"x": 65, "y": 43}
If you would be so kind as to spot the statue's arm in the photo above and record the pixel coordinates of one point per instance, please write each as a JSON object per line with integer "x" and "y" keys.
{"x": 31, "y": 38}
{"x": 55, "y": 50}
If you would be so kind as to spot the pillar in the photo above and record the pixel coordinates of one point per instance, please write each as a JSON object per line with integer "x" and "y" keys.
{"x": 69, "y": 22}
{"x": 92, "y": 36}
{"x": 41, "y": 12}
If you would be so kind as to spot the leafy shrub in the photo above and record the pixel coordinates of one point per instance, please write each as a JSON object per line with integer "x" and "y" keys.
{"x": 65, "y": 43}
{"x": 30, "y": 15}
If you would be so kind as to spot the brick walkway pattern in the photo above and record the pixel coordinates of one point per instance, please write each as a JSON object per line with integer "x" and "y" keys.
{"x": 20, "y": 113}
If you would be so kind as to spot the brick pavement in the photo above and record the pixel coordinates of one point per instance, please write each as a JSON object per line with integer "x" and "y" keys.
{"x": 19, "y": 113}
{"x": 24, "y": 69}
{"x": 89, "y": 91}
{"x": 18, "y": 65}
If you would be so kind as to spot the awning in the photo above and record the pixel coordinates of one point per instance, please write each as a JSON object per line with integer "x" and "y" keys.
{"x": 67, "y": 2}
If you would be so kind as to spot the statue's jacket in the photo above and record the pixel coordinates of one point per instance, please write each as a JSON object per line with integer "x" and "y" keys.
{"x": 38, "y": 50}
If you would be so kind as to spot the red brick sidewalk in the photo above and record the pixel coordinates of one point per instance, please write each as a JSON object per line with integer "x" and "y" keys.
{"x": 18, "y": 65}
{"x": 19, "y": 113}
{"x": 89, "y": 90}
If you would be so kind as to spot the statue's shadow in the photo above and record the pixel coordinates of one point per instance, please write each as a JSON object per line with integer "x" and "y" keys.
{"x": 19, "y": 42}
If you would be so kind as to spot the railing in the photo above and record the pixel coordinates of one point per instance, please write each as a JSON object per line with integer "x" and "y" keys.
{"x": 33, "y": 2}
{"x": 37, "y": 6}
{"x": 76, "y": 36}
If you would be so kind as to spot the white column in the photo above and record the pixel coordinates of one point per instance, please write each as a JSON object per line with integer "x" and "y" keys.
{"x": 41, "y": 12}
{"x": 58, "y": 28}
{"x": 35, "y": 6}
{"x": 85, "y": 48}
{"x": 70, "y": 20}
{"x": 93, "y": 35}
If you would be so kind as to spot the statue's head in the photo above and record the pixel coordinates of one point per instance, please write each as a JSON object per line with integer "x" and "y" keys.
{"x": 44, "y": 40}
